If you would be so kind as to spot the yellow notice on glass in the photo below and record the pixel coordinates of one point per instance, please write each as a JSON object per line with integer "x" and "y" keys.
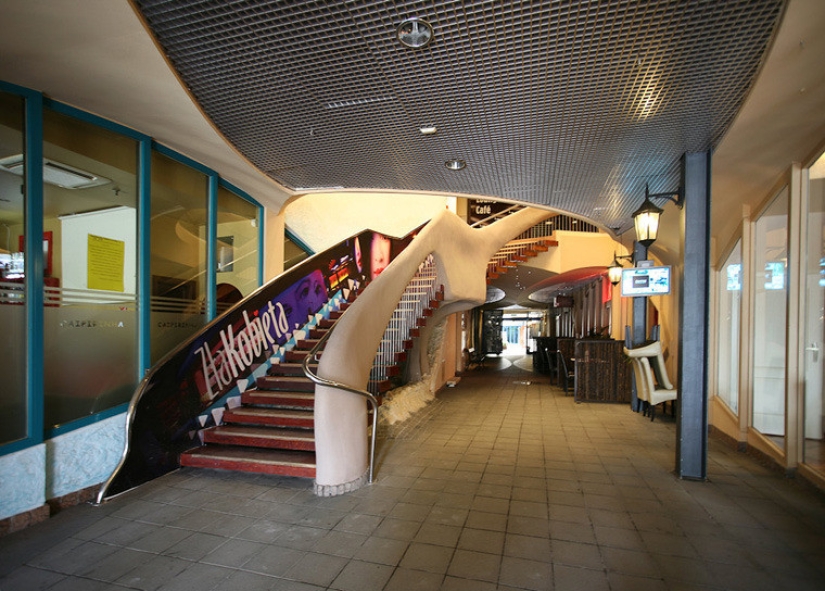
{"x": 105, "y": 263}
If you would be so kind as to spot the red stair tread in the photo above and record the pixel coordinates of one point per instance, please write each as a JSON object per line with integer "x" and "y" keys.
{"x": 288, "y": 369}
{"x": 250, "y": 459}
{"x": 275, "y": 397}
{"x": 270, "y": 416}
{"x": 265, "y": 437}
{"x": 288, "y": 383}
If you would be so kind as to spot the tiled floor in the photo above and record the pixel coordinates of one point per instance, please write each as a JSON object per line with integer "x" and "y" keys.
{"x": 501, "y": 483}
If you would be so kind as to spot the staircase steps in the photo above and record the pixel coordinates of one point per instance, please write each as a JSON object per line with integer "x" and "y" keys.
{"x": 292, "y": 383}
{"x": 245, "y": 436}
{"x": 289, "y": 369}
{"x": 274, "y": 398}
{"x": 514, "y": 254}
{"x": 272, "y": 431}
{"x": 252, "y": 459}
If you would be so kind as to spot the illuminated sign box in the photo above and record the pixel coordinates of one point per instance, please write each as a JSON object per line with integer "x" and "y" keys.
{"x": 645, "y": 281}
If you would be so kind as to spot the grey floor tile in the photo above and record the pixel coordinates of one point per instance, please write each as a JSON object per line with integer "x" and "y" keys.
{"x": 27, "y": 578}
{"x": 570, "y": 578}
{"x": 498, "y": 485}
{"x": 404, "y": 579}
{"x": 154, "y": 573}
{"x": 160, "y": 540}
{"x": 362, "y": 576}
{"x": 576, "y": 554}
{"x": 316, "y": 569}
{"x": 467, "y": 564}
{"x": 233, "y": 553}
{"x": 198, "y": 577}
{"x": 526, "y": 574}
{"x": 382, "y": 551}
{"x": 274, "y": 561}
{"x": 438, "y": 534}
{"x": 427, "y": 557}
{"x": 338, "y": 543}
{"x": 114, "y": 565}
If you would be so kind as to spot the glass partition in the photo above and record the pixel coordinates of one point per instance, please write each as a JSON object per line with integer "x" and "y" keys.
{"x": 13, "y": 408}
{"x": 178, "y": 253}
{"x": 814, "y": 330}
{"x": 770, "y": 291}
{"x": 236, "y": 250}
{"x": 729, "y": 287}
{"x": 90, "y": 246}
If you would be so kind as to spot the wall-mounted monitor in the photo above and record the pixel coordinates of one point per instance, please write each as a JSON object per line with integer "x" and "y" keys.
{"x": 645, "y": 281}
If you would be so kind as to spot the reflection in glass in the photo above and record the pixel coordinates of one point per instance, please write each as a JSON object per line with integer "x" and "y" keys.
{"x": 814, "y": 330}
{"x": 770, "y": 305}
{"x": 90, "y": 313}
{"x": 730, "y": 296}
{"x": 236, "y": 249}
{"x": 13, "y": 409}
{"x": 178, "y": 253}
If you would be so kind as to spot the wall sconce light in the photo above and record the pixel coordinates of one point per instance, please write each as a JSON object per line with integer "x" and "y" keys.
{"x": 646, "y": 218}
{"x": 614, "y": 269}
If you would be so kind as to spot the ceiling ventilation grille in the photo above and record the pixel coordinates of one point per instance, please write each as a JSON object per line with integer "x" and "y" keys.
{"x": 56, "y": 173}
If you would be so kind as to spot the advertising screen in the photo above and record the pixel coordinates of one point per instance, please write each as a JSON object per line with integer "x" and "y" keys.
{"x": 645, "y": 281}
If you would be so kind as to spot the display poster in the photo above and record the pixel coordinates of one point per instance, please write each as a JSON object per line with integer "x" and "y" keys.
{"x": 104, "y": 263}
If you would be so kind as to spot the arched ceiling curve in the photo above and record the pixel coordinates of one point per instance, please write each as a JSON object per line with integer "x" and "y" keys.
{"x": 569, "y": 105}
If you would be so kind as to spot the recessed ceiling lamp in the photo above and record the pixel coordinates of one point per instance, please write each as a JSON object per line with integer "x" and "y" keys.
{"x": 427, "y": 129}
{"x": 455, "y": 164}
{"x": 414, "y": 33}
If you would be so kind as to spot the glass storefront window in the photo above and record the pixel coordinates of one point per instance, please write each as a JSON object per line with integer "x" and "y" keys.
{"x": 236, "y": 250}
{"x": 90, "y": 240}
{"x": 729, "y": 286}
{"x": 13, "y": 408}
{"x": 814, "y": 330}
{"x": 770, "y": 291}
{"x": 178, "y": 253}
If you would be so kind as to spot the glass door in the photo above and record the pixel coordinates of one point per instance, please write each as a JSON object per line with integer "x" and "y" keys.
{"x": 730, "y": 297}
{"x": 770, "y": 291}
{"x": 814, "y": 330}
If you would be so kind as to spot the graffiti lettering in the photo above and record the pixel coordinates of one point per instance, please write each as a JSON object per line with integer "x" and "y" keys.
{"x": 237, "y": 351}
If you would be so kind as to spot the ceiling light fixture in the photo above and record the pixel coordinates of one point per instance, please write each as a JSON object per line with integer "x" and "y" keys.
{"x": 427, "y": 129}
{"x": 455, "y": 164}
{"x": 414, "y": 33}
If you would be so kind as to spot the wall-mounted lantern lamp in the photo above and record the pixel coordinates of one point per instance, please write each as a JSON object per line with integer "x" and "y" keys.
{"x": 614, "y": 269}
{"x": 646, "y": 218}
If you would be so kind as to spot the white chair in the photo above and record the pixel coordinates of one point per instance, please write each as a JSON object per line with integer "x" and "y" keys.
{"x": 647, "y": 388}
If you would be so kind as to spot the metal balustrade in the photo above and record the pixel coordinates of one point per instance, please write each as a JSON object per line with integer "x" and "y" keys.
{"x": 415, "y": 304}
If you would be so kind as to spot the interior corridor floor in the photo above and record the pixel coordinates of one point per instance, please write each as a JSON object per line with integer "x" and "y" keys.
{"x": 501, "y": 483}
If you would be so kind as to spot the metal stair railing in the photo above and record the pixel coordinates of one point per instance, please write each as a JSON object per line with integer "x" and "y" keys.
{"x": 420, "y": 291}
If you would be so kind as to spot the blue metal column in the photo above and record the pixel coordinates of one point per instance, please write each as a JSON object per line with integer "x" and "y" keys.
{"x": 33, "y": 264}
{"x": 639, "y": 334}
{"x": 144, "y": 257}
{"x": 211, "y": 247}
{"x": 692, "y": 422}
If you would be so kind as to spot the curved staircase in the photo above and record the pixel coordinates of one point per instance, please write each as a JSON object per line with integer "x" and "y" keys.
{"x": 272, "y": 430}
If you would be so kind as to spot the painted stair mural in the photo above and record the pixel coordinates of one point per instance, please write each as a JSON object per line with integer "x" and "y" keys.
{"x": 235, "y": 396}
{"x": 233, "y": 387}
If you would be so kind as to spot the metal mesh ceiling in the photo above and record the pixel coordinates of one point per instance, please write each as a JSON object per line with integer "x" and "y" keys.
{"x": 574, "y": 105}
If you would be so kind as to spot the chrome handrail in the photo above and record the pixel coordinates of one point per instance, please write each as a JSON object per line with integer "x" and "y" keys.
{"x": 338, "y": 385}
